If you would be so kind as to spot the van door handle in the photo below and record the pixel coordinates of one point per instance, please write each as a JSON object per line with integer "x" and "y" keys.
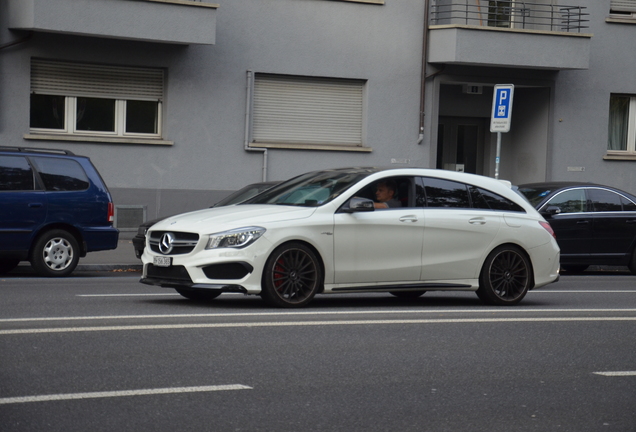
{"x": 35, "y": 205}
{"x": 477, "y": 221}
{"x": 409, "y": 218}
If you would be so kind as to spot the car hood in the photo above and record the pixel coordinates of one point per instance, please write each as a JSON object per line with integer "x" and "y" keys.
{"x": 224, "y": 218}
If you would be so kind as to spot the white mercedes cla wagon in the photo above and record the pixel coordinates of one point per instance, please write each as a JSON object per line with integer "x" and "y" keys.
{"x": 402, "y": 231}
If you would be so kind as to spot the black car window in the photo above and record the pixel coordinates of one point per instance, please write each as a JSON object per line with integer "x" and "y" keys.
{"x": 628, "y": 205}
{"x": 569, "y": 201}
{"x": 484, "y": 199}
{"x": 61, "y": 174}
{"x": 15, "y": 174}
{"x": 445, "y": 193}
{"x": 605, "y": 201}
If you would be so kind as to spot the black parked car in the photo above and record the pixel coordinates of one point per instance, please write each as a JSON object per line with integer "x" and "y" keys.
{"x": 243, "y": 194}
{"x": 54, "y": 208}
{"x": 594, "y": 224}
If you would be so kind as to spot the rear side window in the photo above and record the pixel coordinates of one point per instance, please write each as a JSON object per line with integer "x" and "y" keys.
{"x": 61, "y": 174}
{"x": 605, "y": 201}
{"x": 15, "y": 174}
{"x": 445, "y": 193}
{"x": 492, "y": 200}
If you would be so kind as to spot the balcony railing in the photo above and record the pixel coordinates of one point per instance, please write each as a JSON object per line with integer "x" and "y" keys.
{"x": 510, "y": 14}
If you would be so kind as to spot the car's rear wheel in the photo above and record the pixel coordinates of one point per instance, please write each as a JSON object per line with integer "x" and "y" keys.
{"x": 407, "y": 294}
{"x": 55, "y": 254}
{"x": 505, "y": 277}
{"x": 292, "y": 276}
{"x": 8, "y": 264}
{"x": 199, "y": 295}
{"x": 573, "y": 268}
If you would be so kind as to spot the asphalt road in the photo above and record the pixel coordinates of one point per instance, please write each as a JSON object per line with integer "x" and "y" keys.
{"x": 101, "y": 352}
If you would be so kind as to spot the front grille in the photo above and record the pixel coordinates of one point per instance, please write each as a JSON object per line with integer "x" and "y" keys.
{"x": 182, "y": 243}
{"x": 172, "y": 273}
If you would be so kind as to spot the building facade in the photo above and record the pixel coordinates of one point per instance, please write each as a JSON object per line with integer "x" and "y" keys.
{"x": 178, "y": 102}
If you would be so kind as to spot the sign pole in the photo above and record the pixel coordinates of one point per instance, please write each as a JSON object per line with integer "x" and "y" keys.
{"x": 498, "y": 157}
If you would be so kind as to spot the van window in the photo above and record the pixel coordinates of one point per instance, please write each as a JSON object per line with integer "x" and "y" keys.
{"x": 15, "y": 174}
{"x": 61, "y": 174}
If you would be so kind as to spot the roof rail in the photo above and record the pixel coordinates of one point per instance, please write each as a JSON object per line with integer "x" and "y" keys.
{"x": 36, "y": 150}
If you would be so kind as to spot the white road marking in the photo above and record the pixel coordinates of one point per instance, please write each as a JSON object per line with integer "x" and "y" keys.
{"x": 143, "y": 392}
{"x": 305, "y": 324}
{"x": 617, "y": 373}
{"x": 316, "y": 313}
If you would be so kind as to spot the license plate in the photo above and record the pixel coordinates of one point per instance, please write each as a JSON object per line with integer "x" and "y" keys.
{"x": 162, "y": 261}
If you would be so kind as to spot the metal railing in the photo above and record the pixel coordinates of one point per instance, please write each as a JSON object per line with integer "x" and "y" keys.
{"x": 510, "y": 14}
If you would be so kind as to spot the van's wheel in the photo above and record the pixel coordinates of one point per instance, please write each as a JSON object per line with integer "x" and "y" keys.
{"x": 198, "y": 295}
{"x": 505, "y": 277}
{"x": 8, "y": 264}
{"x": 292, "y": 276}
{"x": 55, "y": 254}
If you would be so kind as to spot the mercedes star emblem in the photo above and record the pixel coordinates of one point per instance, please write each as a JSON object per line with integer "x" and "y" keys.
{"x": 165, "y": 243}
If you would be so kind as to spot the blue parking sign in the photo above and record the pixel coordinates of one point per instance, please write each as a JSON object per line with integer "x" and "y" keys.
{"x": 501, "y": 108}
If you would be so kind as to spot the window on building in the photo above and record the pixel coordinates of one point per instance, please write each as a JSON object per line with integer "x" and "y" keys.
{"x": 622, "y": 125}
{"x": 625, "y": 9}
{"x": 307, "y": 112}
{"x": 95, "y": 100}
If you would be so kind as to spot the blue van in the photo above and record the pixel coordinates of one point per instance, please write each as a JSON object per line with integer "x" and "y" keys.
{"x": 54, "y": 209}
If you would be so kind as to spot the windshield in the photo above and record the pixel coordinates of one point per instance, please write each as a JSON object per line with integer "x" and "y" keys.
{"x": 311, "y": 189}
{"x": 534, "y": 195}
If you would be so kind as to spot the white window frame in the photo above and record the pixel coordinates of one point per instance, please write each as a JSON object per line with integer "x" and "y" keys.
{"x": 631, "y": 131}
{"x": 123, "y": 92}
{"x": 622, "y": 11}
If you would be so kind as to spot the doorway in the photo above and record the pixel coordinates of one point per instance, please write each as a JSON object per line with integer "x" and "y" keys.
{"x": 460, "y": 144}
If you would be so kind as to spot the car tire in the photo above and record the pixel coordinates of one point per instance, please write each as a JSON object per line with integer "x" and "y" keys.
{"x": 505, "y": 277}
{"x": 55, "y": 254}
{"x": 8, "y": 264}
{"x": 574, "y": 269}
{"x": 407, "y": 294}
{"x": 199, "y": 295}
{"x": 292, "y": 276}
{"x": 632, "y": 263}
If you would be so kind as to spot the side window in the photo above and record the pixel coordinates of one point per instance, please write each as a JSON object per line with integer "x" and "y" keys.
{"x": 61, "y": 174}
{"x": 477, "y": 198}
{"x": 605, "y": 201}
{"x": 497, "y": 202}
{"x": 570, "y": 201}
{"x": 394, "y": 191}
{"x": 445, "y": 193}
{"x": 15, "y": 174}
{"x": 628, "y": 205}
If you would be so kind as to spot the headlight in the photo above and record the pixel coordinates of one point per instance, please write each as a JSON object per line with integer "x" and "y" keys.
{"x": 236, "y": 238}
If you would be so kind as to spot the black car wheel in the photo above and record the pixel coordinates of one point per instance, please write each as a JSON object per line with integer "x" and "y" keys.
{"x": 8, "y": 264}
{"x": 199, "y": 295}
{"x": 292, "y": 276}
{"x": 55, "y": 254}
{"x": 505, "y": 277}
{"x": 407, "y": 294}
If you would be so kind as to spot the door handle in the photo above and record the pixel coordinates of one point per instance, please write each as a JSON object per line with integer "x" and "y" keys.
{"x": 583, "y": 222}
{"x": 477, "y": 221}
{"x": 35, "y": 205}
{"x": 409, "y": 218}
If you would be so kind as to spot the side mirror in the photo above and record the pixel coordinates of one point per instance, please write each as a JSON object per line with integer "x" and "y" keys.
{"x": 551, "y": 211}
{"x": 359, "y": 205}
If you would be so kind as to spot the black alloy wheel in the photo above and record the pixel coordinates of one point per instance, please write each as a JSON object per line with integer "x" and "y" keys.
{"x": 505, "y": 277}
{"x": 292, "y": 276}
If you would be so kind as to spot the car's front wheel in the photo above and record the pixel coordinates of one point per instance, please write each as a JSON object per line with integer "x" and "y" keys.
{"x": 55, "y": 254}
{"x": 505, "y": 277}
{"x": 292, "y": 276}
{"x": 198, "y": 295}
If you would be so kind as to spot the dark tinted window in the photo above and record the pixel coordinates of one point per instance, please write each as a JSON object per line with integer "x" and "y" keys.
{"x": 47, "y": 111}
{"x": 15, "y": 174}
{"x": 95, "y": 114}
{"x": 569, "y": 201}
{"x": 478, "y": 199}
{"x": 628, "y": 205}
{"x": 497, "y": 202}
{"x": 141, "y": 116}
{"x": 535, "y": 195}
{"x": 61, "y": 174}
{"x": 445, "y": 193}
{"x": 605, "y": 201}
